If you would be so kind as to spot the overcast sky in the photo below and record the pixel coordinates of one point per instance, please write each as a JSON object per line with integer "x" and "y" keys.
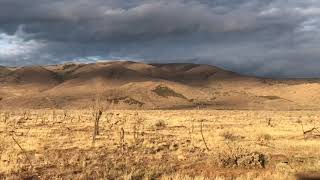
{"x": 278, "y": 38}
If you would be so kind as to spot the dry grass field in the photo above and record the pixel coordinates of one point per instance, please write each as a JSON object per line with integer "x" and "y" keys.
{"x": 154, "y": 144}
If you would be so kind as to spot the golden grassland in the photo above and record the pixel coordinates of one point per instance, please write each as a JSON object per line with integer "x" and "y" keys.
{"x": 158, "y": 144}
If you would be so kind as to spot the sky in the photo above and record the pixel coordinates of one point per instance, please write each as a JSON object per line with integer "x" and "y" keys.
{"x": 271, "y": 38}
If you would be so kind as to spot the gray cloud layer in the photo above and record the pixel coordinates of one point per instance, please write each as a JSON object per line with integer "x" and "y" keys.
{"x": 262, "y": 37}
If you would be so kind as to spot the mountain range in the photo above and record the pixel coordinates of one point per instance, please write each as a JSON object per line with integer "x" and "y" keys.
{"x": 137, "y": 85}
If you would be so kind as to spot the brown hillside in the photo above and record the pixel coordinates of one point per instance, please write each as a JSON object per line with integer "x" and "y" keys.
{"x": 32, "y": 75}
{"x": 132, "y": 85}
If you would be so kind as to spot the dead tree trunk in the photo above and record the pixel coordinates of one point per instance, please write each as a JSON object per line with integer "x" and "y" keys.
{"x": 97, "y": 116}
{"x": 204, "y": 141}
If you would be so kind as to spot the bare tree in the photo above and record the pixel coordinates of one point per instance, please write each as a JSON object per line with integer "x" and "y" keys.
{"x": 97, "y": 113}
{"x": 97, "y": 117}
{"x": 121, "y": 140}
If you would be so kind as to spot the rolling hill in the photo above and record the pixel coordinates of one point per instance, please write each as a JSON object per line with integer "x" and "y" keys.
{"x": 135, "y": 85}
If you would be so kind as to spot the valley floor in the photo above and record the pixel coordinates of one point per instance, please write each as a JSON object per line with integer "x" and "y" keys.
{"x": 173, "y": 144}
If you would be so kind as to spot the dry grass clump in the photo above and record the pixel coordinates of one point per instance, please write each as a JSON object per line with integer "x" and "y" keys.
{"x": 160, "y": 124}
{"x": 239, "y": 157}
{"x": 264, "y": 138}
{"x": 230, "y": 136}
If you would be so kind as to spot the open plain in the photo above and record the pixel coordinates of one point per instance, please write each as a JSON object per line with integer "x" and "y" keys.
{"x": 159, "y": 144}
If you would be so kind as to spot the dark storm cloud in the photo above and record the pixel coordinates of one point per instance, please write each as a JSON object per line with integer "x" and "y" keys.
{"x": 261, "y": 37}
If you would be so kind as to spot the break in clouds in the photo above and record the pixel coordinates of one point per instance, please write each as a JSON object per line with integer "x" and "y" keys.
{"x": 275, "y": 38}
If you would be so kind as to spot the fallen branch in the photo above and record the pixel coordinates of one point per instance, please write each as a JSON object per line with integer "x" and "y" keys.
{"x": 309, "y": 131}
{"x": 24, "y": 152}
